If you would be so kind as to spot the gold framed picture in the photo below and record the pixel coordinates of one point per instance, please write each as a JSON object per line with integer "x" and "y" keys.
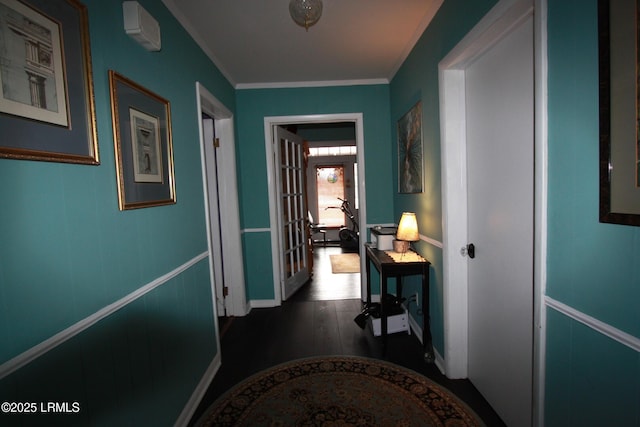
{"x": 47, "y": 109}
{"x": 143, "y": 145}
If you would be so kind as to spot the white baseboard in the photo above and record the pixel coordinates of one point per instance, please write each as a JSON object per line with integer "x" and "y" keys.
{"x": 263, "y": 303}
{"x": 198, "y": 393}
{"x": 417, "y": 329}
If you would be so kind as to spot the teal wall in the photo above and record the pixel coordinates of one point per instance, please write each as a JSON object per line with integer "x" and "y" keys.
{"x": 417, "y": 80}
{"x": 252, "y": 107}
{"x": 592, "y": 267}
{"x": 68, "y": 252}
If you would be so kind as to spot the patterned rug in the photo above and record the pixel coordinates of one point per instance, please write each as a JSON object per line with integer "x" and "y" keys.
{"x": 339, "y": 391}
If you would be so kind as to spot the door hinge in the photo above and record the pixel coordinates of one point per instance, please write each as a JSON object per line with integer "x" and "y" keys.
{"x": 216, "y": 142}
{"x": 225, "y": 291}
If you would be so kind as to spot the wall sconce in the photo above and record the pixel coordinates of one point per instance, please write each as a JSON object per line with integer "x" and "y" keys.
{"x": 407, "y": 232}
{"x": 141, "y": 26}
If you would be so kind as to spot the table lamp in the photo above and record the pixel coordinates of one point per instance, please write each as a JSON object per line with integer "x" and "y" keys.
{"x": 407, "y": 232}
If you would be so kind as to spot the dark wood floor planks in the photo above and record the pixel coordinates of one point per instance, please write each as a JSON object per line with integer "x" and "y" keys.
{"x": 312, "y": 324}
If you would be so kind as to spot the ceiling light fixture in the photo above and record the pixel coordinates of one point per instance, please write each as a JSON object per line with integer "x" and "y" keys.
{"x": 305, "y": 12}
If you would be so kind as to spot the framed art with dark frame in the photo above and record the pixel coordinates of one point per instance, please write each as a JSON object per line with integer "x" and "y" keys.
{"x": 143, "y": 145}
{"x": 410, "y": 151}
{"x": 619, "y": 112}
{"x": 47, "y": 109}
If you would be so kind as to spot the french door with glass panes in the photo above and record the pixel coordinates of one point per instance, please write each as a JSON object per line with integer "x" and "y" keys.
{"x": 292, "y": 211}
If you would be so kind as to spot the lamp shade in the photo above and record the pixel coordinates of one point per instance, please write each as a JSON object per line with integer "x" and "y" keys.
{"x": 408, "y": 228}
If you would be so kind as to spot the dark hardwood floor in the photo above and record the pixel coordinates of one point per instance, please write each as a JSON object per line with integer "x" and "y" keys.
{"x": 318, "y": 320}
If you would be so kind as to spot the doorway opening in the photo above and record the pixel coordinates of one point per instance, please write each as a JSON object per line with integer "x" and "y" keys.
{"x": 329, "y": 188}
{"x": 217, "y": 147}
{"x": 332, "y": 192}
{"x": 321, "y": 152}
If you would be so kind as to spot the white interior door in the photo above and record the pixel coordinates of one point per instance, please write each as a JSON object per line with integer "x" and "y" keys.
{"x": 292, "y": 210}
{"x": 214, "y": 210}
{"x": 223, "y": 214}
{"x": 500, "y": 197}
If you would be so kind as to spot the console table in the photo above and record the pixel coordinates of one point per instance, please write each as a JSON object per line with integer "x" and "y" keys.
{"x": 388, "y": 267}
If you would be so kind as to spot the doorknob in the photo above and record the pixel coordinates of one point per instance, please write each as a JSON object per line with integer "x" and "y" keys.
{"x": 470, "y": 250}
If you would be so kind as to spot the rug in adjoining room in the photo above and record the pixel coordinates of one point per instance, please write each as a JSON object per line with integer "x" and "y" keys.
{"x": 339, "y": 391}
{"x": 345, "y": 263}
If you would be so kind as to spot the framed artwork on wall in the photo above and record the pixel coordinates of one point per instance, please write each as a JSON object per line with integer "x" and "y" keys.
{"x": 410, "y": 174}
{"x": 147, "y": 151}
{"x": 143, "y": 145}
{"x": 619, "y": 112}
{"x": 47, "y": 109}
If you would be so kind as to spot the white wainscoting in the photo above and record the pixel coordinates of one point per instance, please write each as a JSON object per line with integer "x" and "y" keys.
{"x": 197, "y": 395}
{"x": 34, "y": 352}
{"x": 417, "y": 329}
{"x": 595, "y": 324}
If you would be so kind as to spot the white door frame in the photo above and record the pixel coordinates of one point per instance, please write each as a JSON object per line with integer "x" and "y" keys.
{"x": 228, "y": 205}
{"x": 269, "y": 124}
{"x": 505, "y": 16}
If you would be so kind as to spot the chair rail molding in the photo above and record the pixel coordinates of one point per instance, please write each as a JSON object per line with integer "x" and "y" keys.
{"x": 38, "y": 350}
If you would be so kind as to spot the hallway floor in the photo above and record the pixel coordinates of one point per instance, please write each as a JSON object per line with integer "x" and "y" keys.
{"x": 318, "y": 320}
{"x": 326, "y": 286}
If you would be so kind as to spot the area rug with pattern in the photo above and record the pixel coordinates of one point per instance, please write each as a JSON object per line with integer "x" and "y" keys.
{"x": 339, "y": 391}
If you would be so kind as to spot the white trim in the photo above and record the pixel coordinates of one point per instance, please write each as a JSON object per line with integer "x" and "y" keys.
{"x": 541, "y": 202}
{"x": 423, "y": 238}
{"x": 417, "y": 330}
{"x": 390, "y": 224}
{"x": 426, "y": 20}
{"x": 228, "y": 199}
{"x": 415, "y": 327}
{"x": 36, "y": 351}
{"x": 199, "y": 392}
{"x": 432, "y": 9}
{"x": 256, "y": 230}
{"x": 175, "y": 11}
{"x": 269, "y": 124}
{"x": 454, "y": 233}
{"x": 615, "y": 334}
{"x": 322, "y": 83}
{"x": 431, "y": 241}
{"x": 501, "y": 19}
{"x": 186, "y": 24}
{"x": 263, "y": 303}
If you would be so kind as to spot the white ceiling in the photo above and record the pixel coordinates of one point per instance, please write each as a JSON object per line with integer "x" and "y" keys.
{"x": 255, "y": 43}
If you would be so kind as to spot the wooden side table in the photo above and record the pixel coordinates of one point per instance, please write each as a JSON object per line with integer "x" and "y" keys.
{"x": 388, "y": 267}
